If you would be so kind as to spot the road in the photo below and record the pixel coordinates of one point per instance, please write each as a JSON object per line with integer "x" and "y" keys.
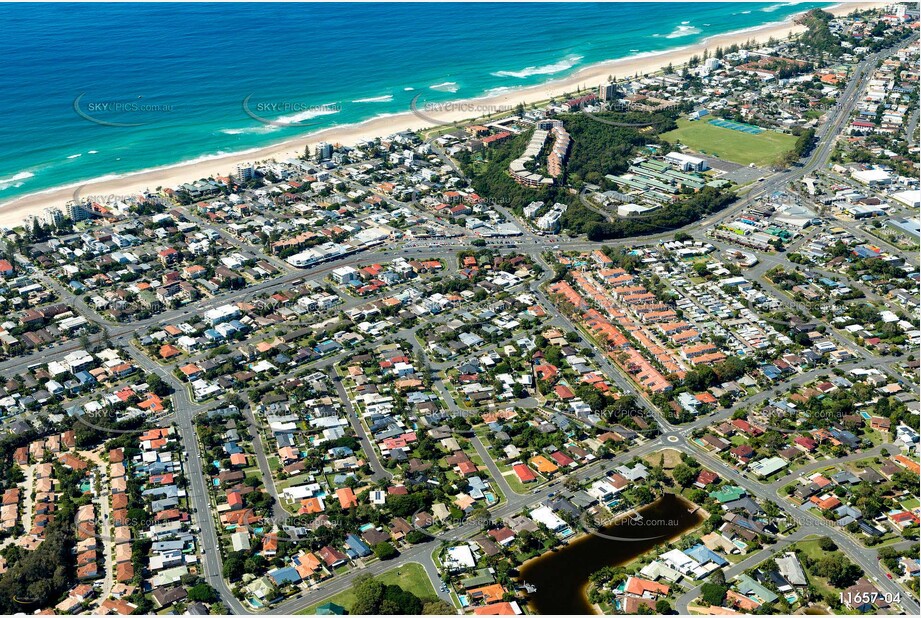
{"x": 380, "y": 472}
{"x": 279, "y": 513}
{"x": 202, "y": 509}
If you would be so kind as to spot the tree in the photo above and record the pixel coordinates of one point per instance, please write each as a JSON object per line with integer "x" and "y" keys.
{"x": 203, "y": 593}
{"x": 713, "y": 594}
{"x": 374, "y": 598}
{"x": 234, "y": 565}
{"x": 839, "y": 571}
{"x": 399, "y": 601}
{"x": 368, "y": 595}
{"x": 157, "y": 386}
{"x": 826, "y": 544}
{"x": 571, "y": 483}
{"x": 417, "y": 536}
{"x": 406, "y": 504}
{"x": 385, "y": 551}
{"x": 718, "y": 577}
{"x": 435, "y": 608}
{"x": 41, "y": 574}
{"x": 684, "y": 475}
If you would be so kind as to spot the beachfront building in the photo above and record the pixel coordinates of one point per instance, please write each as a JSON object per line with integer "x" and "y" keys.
{"x": 77, "y": 211}
{"x": 244, "y": 173}
{"x": 607, "y": 92}
{"x": 52, "y": 216}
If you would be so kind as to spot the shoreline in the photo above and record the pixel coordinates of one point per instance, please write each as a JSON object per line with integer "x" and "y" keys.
{"x": 15, "y": 211}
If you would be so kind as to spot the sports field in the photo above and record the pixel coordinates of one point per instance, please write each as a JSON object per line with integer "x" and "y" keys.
{"x": 730, "y": 144}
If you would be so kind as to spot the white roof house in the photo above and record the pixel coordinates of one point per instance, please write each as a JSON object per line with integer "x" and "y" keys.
{"x": 680, "y": 561}
{"x": 240, "y": 540}
{"x": 460, "y": 557}
{"x": 543, "y": 515}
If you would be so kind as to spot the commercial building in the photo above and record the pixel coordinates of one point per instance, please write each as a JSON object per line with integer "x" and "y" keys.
{"x": 873, "y": 177}
{"x": 912, "y": 199}
{"x": 909, "y": 226}
{"x": 550, "y": 221}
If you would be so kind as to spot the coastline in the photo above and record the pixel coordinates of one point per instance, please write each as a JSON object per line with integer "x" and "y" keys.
{"x": 15, "y": 211}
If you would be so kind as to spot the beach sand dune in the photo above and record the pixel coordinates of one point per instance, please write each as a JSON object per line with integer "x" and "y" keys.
{"x": 15, "y": 212}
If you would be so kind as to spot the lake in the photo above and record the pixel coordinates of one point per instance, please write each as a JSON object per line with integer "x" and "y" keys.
{"x": 561, "y": 577}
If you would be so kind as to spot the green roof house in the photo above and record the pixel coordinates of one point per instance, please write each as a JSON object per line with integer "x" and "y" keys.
{"x": 330, "y": 609}
{"x": 727, "y": 494}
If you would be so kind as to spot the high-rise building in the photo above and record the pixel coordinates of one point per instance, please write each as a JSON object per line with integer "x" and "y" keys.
{"x": 244, "y": 173}
{"x": 325, "y": 151}
{"x": 78, "y": 211}
{"x": 607, "y": 92}
{"x": 52, "y": 216}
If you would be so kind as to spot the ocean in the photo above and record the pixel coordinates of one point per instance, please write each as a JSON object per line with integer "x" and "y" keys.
{"x": 101, "y": 90}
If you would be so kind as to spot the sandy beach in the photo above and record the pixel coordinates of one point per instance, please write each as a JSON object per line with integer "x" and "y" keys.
{"x": 14, "y": 212}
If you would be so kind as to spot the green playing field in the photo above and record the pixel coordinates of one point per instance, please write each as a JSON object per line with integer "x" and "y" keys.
{"x": 736, "y": 146}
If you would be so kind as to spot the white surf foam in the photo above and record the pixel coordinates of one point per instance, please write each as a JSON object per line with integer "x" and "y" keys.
{"x": 384, "y": 99}
{"x": 547, "y": 69}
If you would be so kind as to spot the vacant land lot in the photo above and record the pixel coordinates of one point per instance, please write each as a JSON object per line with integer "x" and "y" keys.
{"x": 410, "y": 577}
{"x": 731, "y": 145}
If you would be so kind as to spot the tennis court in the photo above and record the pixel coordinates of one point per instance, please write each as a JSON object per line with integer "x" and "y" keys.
{"x": 736, "y": 126}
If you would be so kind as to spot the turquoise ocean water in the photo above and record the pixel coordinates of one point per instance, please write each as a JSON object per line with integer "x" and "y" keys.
{"x": 168, "y": 81}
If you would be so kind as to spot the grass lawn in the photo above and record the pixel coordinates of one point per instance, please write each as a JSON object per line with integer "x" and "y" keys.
{"x": 734, "y": 558}
{"x": 729, "y": 144}
{"x": 515, "y": 485}
{"x": 810, "y": 547}
{"x": 669, "y": 458}
{"x": 738, "y": 440}
{"x": 410, "y": 577}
